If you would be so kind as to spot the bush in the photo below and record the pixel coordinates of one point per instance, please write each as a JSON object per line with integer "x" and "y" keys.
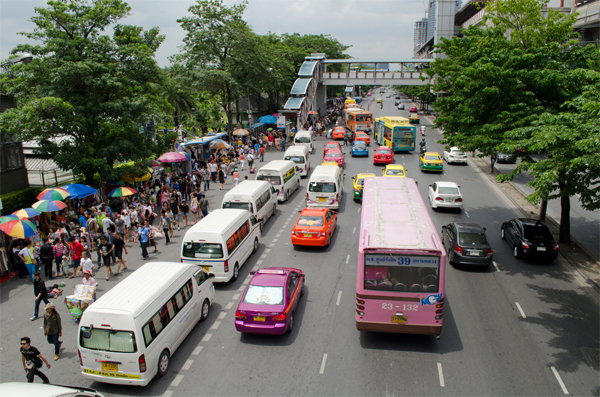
{"x": 19, "y": 199}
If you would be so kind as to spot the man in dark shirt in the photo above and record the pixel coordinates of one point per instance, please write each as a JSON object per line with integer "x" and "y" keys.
{"x": 39, "y": 290}
{"x": 31, "y": 358}
{"x": 47, "y": 255}
{"x": 175, "y": 209}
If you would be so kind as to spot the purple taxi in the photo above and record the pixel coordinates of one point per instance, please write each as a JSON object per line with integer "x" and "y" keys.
{"x": 269, "y": 301}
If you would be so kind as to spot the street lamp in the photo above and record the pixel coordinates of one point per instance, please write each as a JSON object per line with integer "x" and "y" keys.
{"x": 25, "y": 58}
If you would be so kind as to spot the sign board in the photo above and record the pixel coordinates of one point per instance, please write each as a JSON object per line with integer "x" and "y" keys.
{"x": 281, "y": 122}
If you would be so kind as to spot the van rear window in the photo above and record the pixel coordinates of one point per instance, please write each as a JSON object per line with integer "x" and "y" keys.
{"x": 272, "y": 179}
{"x": 302, "y": 139}
{"x": 108, "y": 340}
{"x": 295, "y": 159}
{"x": 202, "y": 250}
{"x": 321, "y": 187}
{"x": 238, "y": 205}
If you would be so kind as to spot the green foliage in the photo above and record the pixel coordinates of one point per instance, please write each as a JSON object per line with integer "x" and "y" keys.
{"x": 19, "y": 199}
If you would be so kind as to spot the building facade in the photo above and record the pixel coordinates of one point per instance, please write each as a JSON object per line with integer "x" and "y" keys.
{"x": 420, "y": 35}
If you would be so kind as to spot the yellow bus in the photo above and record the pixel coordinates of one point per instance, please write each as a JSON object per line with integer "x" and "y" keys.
{"x": 395, "y": 132}
{"x": 357, "y": 119}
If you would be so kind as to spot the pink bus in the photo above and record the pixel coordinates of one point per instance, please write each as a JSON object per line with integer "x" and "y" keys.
{"x": 401, "y": 261}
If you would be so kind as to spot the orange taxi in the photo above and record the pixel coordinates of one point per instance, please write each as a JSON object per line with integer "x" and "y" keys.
{"x": 338, "y": 133}
{"x": 361, "y": 136}
{"x": 314, "y": 227}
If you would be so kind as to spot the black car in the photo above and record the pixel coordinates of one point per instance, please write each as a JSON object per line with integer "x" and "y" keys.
{"x": 529, "y": 238}
{"x": 505, "y": 158}
{"x": 467, "y": 244}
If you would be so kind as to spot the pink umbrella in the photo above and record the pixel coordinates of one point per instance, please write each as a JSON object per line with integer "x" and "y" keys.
{"x": 172, "y": 157}
{"x": 275, "y": 114}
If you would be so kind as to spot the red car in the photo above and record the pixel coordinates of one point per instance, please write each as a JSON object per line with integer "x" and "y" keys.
{"x": 334, "y": 155}
{"x": 331, "y": 145}
{"x": 361, "y": 136}
{"x": 384, "y": 155}
{"x": 314, "y": 227}
{"x": 413, "y": 109}
{"x": 338, "y": 133}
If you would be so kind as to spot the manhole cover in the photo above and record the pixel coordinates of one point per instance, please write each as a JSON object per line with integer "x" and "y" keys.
{"x": 593, "y": 356}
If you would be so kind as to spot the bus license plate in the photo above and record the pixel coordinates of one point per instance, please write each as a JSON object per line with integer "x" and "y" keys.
{"x": 399, "y": 319}
{"x": 206, "y": 268}
{"x": 259, "y": 318}
{"x": 110, "y": 367}
{"x": 541, "y": 248}
{"x": 307, "y": 235}
{"x": 322, "y": 199}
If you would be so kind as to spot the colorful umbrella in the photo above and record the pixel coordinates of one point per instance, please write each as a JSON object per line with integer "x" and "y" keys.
{"x": 312, "y": 112}
{"x": 77, "y": 190}
{"x": 122, "y": 192}
{"x": 172, "y": 157}
{"x": 241, "y": 132}
{"x": 269, "y": 129}
{"x": 55, "y": 193}
{"x": 49, "y": 206}
{"x": 19, "y": 228}
{"x": 275, "y": 114}
{"x": 219, "y": 144}
{"x": 9, "y": 218}
{"x": 26, "y": 213}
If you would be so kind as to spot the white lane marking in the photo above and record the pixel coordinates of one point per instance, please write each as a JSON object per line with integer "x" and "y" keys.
{"x": 280, "y": 230}
{"x": 267, "y": 250}
{"x": 229, "y": 306}
{"x": 168, "y": 393}
{"x": 467, "y": 214}
{"x": 278, "y": 235}
{"x": 274, "y": 240}
{"x": 206, "y": 337}
{"x": 520, "y": 310}
{"x": 323, "y": 364}
{"x": 235, "y": 297}
{"x": 271, "y": 245}
{"x": 441, "y": 374}
{"x": 560, "y": 382}
{"x": 177, "y": 380}
{"x": 358, "y": 209}
{"x": 347, "y": 259}
{"x": 354, "y": 231}
{"x": 197, "y": 350}
{"x": 215, "y": 325}
{"x": 243, "y": 287}
{"x": 339, "y": 299}
{"x": 263, "y": 256}
{"x": 255, "y": 268}
{"x": 496, "y": 266}
{"x": 187, "y": 365}
{"x": 259, "y": 262}
{"x": 222, "y": 315}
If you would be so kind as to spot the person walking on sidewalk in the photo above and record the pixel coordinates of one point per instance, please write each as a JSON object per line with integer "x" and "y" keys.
{"x": 143, "y": 236}
{"x": 39, "y": 290}
{"x": 119, "y": 247}
{"x": 47, "y": 255}
{"x": 165, "y": 221}
{"x": 53, "y": 328}
{"x": 27, "y": 256}
{"x": 32, "y": 361}
{"x": 261, "y": 153}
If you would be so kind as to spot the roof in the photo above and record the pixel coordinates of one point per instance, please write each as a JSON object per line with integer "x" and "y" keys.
{"x": 294, "y": 103}
{"x": 300, "y": 86}
{"x": 276, "y": 165}
{"x": 311, "y": 210}
{"x": 324, "y": 170}
{"x": 409, "y": 60}
{"x": 468, "y": 226}
{"x": 247, "y": 187}
{"x": 219, "y": 220}
{"x": 204, "y": 140}
{"x": 307, "y": 69}
{"x": 470, "y": 8}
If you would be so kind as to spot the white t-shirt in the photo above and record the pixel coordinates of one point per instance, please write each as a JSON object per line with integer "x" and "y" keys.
{"x": 87, "y": 264}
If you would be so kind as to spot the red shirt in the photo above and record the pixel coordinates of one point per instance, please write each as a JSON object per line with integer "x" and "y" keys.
{"x": 76, "y": 250}
{"x": 261, "y": 150}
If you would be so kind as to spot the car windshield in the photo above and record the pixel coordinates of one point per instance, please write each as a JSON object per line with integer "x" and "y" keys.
{"x": 447, "y": 190}
{"x": 334, "y": 155}
{"x": 295, "y": 159}
{"x": 468, "y": 238}
{"x": 394, "y": 172}
{"x": 202, "y": 250}
{"x": 331, "y": 146}
{"x": 321, "y": 187}
{"x": 539, "y": 232}
{"x": 261, "y": 295}
{"x": 306, "y": 220}
{"x": 239, "y": 205}
{"x": 431, "y": 157}
{"x": 302, "y": 139}
{"x": 273, "y": 179}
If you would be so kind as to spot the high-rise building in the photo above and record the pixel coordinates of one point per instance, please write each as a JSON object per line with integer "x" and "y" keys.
{"x": 431, "y": 16}
{"x": 420, "y": 35}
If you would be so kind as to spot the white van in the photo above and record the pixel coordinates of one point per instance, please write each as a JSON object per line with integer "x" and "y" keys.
{"x": 221, "y": 242}
{"x": 258, "y": 197}
{"x": 304, "y": 138}
{"x": 129, "y": 335}
{"x": 283, "y": 175}
{"x": 325, "y": 187}
{"x": 299, "y": 155}
{"x": 20, "y": 389}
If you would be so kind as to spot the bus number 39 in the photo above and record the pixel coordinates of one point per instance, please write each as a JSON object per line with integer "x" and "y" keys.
{"x": 408, "y": 307}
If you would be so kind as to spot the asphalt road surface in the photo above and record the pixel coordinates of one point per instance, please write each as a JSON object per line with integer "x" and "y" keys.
{"x": 521, "y": 328}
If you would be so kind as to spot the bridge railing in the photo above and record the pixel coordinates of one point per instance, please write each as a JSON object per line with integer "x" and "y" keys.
{"x": 372, "y": 75}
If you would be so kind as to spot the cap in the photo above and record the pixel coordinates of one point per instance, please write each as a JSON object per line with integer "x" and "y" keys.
{"x": 183, "y": 200}
{"x": 50, "y": 306}
{"x": 87, "y": 272}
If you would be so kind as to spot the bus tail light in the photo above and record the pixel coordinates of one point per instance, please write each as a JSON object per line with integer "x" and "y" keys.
{"x": 360, "y": 307}
{"x": 489, "y": 252}
{"x": 440, "y": 311}
{"x": 80, "y": 359}
{"x": 439, "y": 317}
{"x": 458, "y": 250}
{"x": 142, "y": 363}
{"x": 280, "y": 317}
{"x": 525, "y": 245}
{"x": 360, "y": 301}
{"x": 239, "y": 315}
{"x": 226, "y": 266}
{"x": 439, "y": 305}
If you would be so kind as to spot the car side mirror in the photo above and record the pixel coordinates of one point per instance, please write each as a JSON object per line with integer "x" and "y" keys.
{"x": 252, "y": 273}
{"x": 211, "y": 275}
{"x": 429, "y": 185}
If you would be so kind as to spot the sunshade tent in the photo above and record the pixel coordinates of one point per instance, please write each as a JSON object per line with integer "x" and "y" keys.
{"x": 131, "y": 179}
{"x": 77, "y": 190}
{"x": 122, "y": 192}
{"x": 219, "y": 144}
{"x": 19, "y": 228}
{"x": 268, "y": 120}
{"x": 241, "y": 132}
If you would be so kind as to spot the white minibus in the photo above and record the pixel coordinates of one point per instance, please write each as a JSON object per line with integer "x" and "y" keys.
{"x": 258, "y": 197}
{"x": 129, "y": 335}
{"x": 304, "y": 138}
{"x": 325, "y": 187}
{"x": 283, "y": 175}
{"x": 300, "y": 156}
{"x": 221, "y": 242}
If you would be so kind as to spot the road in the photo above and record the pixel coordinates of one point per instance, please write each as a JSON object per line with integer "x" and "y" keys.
{"x": 523, "y": 328}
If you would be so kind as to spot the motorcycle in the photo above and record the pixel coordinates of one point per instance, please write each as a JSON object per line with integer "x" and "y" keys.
{"x": 422, "y": 151}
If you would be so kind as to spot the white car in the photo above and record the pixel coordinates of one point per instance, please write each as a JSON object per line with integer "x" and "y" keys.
{"x": 445, "y": 194}
{"x": 455, "y": 155}
{"x": 400, "y": 106}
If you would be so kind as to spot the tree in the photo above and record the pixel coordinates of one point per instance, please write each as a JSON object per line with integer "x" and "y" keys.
{"x": 87, "y": 87}
{"x": 177, "y": 92}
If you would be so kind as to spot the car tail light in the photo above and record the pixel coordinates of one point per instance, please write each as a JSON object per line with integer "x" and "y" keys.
{"x": 226, "y": 267}
{"x": 80, "y": 359}
{"x": 239, "y": 315}
{"x": 181, "y": 260}
{"x": 555, "y": 248}
{"x": 142, "y": 363}
{"x": 439, "y": 199}
{"x": 489, "y": 252}
{"x": 458, "y": 200}
{"x": 337, "y": 196}
{"x": 458, "y": 249}
{"x": 321, "y": 234}
{"x": 280, "y": 317}
{"x": 525, "y": 245}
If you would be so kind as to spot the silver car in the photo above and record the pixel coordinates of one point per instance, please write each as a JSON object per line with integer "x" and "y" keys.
{"x": 401, "y": 106}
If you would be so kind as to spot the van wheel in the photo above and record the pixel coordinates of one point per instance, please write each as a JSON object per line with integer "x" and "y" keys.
{"x": 163, "y": 363}
{"x": 291, "y": 325}
{"x": 205, "y": 310}
{"x": 236, "y": 272}
{"x": 255, "y": 245}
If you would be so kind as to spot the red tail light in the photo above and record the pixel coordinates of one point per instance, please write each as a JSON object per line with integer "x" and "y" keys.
{"x": 142, "y": 363}
{"x": 439, "y": 311}
{"x": 458, "y": 200}
{"x": 458, "y": 249}
{"x": 280, "y": 317}
{"x": 525, "y": 245}
{"x": 307, "y": 196}
{"x": 337, "y": 196}
{"x": 80, "y": 359}
{"x": 226, "y": 266}
{"x": 181, "y": 260}
{"x": 555, "y": 248}
{"x": 239, "y": 315}
{"x": 439, "y": 199}
{"x": 360, "y": 307}
{"x": 489, "y": 252}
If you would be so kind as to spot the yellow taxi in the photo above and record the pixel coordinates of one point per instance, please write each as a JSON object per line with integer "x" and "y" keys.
{"x": 331, "y": 163}
{"x": 357, "y": 184}
{"x": 394, "y": 170}
{"x": 379, "y": 100}
{"x": 431, "y": 161}
{"x": 414, "y": 118}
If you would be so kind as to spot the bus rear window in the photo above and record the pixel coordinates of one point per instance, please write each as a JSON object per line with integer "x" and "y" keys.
{"x": 107, "y": 340}
{"x": 202, "y": 250}
{"x": 321, "y": 187}
{"x": 272, "y": 179}
{"x": 401, "y": 273}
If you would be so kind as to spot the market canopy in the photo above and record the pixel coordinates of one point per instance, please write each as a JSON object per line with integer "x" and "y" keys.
{"x": 205, "y": 139}
{"x": 77, "y": 190}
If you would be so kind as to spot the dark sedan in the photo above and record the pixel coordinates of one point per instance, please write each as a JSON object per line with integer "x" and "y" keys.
{"x": 467, "y": 244}
{"x": 529, "y": 238}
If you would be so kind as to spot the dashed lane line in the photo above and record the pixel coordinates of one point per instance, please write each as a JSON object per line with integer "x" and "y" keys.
{"x": 354, "y": 231}
{"x": 168, "y": 393}
{"x": 197, "y": 350}
{"x": 215, "y": 325}
{"x": 339, "y": 298}
{"x": 560, "y": 382}
{"x": 229, "y": 306}
{"x": 275, "y": 240}
{"x": 263, "y": 256}
{"x": 280, "y": 230}
{"x": 259, "y": 262}
{"x": 441, "y": 374}
{"x": 271, "y": 245}
{"x": 187, "y": 365}
{"x": 520, "y": 310}
{"x": 278, "y": 235}
{"x": 347, "y": 259}
{"x": 177, "y": 380}
{"x": 267, "y": 250}
{"x": 322, "y": 370}
{"x": 222, "y": 315}
{"x": 235, "y": 297}
{"x": 359, "y": 209}
{"x": 206, "y": 337}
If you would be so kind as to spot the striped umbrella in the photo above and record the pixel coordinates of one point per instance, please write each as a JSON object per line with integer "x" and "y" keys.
{"x": 26, "y": 213}
{"x": 19, "y": 228}
{"x": 8, "y": 218}
{"x": 49, "y": 206}
{"x": 241, "y": 132}
{"x": 122, "y": 192}
{"x": 55, "y": 193}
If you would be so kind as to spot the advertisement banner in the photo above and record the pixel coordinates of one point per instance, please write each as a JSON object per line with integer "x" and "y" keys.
{"x": 281, "y": 122}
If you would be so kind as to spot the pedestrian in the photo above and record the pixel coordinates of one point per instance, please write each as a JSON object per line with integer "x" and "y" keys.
{"x": 39, "y": 290}
{"x": 175, "y": 211}
{"x": 75, "y": 249}
{"x": 204, "y": 207}
{"x": 164, "y": 224}
{"x": 221, "y": 178}
{"x": 236, "y": 177}
{"x": 143, "y": 236}
{"x": 213, "y": 171}
{"x": 346, "y": 137}
{"x": 119, "y": 246}
{"x": 87, "y": 264}
{"x": 206, "y": 178}
{"x": 47, "y": 256}
{"x": 106, "y": 248}
{"x": 241, "y": 160}
{"x": 28, "y": 257}
{"x": 32, "y": 361}
{"x": 184, "y": 208}
{"x": 120, "y": 225}
{"x": 194, "y": 209}
{"x": 282, "y": 144}
{"x": 250, "y": 159}
{"x": 59, "y": 250}
{"x": 18, "y": 261}
{"x": 261, "y": 153}
{"x": 53, "y": 328}
{"x": 151, "y": 235}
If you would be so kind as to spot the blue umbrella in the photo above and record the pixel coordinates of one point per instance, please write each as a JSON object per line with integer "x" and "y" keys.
{"x": 268, "y": 120}
{"x": 79, "y": 191}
